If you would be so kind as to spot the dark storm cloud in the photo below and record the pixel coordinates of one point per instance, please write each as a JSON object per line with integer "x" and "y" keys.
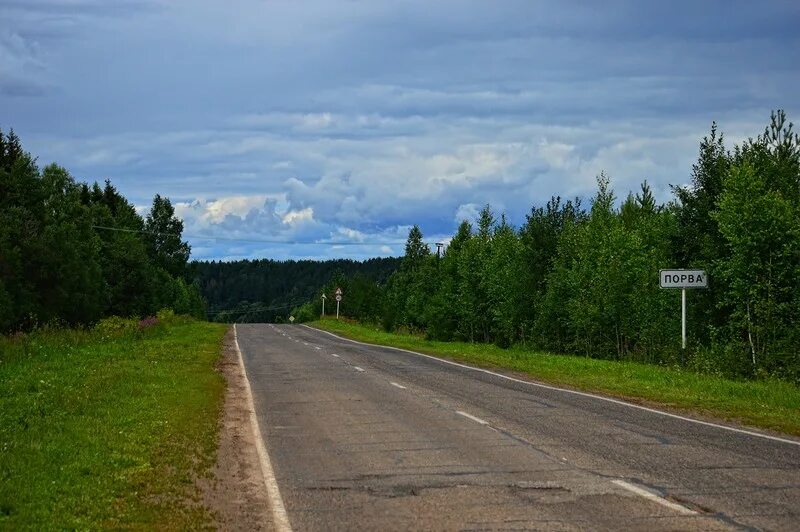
{"x": 328, "y": 120}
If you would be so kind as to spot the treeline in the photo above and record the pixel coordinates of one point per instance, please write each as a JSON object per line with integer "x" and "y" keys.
{"x": 585, "y": 279}
{"x": 58, "y": 266}
{"x": 267, "y": 290}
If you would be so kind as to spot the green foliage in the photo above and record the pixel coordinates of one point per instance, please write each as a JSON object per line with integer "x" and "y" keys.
{"x": 57, "y": 267}
{"x": 587, "y": 282}
{"x": 305, "y": 313}
{"x": 758, "y": 214}
{"x": 267, "y": 290}
{"x": 163, "y": 238}
{"x": 115, "y": 326}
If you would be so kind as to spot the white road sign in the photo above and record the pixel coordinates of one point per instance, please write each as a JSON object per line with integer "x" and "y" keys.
{"x": 683, "y": 279}
{"x": 338, "y": 291}
{"x": 338, "y": 297}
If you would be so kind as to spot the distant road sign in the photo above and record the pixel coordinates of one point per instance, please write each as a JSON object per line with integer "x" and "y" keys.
{"x": 338, "y": 291}
{"x": 338, "y": 297}
{"x": 683, "y": 279}
{"x": 291, "y": 318}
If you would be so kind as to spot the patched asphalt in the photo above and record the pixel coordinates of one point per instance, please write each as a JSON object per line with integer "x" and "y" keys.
{"x": 379, "y": 439}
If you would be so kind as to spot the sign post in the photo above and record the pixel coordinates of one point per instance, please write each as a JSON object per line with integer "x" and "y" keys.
{"x": 683, "y": 319}
{"x": 323, "y": 305}
{"x": 338, "y": 299}
{"x": 683, "y": 279}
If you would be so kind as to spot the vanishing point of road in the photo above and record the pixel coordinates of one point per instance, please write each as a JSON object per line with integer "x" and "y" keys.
{"x": 371, "y": 438}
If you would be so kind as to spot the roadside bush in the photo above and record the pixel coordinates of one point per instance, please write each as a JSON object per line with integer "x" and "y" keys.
{"x": 115, "y": 326}
{"x": 166, "y": 315}
{"x": 303, "y": 313}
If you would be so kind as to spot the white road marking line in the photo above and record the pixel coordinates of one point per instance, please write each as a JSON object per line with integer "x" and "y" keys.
{"x": 653, "y": 497}
{"x": 357, "y": 368}
{"x": 398, "y": 385}
{"x": 317, "y": 348}
{"x": 335, "y": 355}
{"x": 573, "y": 392}
{"x": 473, "y": 418}
{"x": 279, "y": 514}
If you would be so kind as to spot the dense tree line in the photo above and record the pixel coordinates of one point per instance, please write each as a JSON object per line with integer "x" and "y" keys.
{"x": 266, "y": 290}
{"x": 585, "y": 279}
{"x": 57, "y": 266}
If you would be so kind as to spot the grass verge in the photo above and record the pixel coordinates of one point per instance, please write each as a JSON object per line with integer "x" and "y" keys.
{"x": 108, "y": 428}
{"x": 768, "y": 404}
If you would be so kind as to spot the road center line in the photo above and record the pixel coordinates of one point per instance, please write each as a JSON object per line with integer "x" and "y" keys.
{"x": 357, "y": 368}
{"x": 653, "y": 497}
{"x": 335, "y": 355}
{"x": 279, "y": 514}
{"x": 398, "y": 385}
{"x": 473, "y": 418}
{"x": 567, "y": 390}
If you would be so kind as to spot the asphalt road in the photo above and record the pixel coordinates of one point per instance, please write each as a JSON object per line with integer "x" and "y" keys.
{"x": 369, "y": 438}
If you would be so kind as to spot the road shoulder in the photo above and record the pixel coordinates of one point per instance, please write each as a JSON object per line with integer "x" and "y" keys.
{"x": 236, "y": 493}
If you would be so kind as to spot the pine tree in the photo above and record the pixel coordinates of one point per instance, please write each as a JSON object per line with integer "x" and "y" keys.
{"x": 416, "y": 249}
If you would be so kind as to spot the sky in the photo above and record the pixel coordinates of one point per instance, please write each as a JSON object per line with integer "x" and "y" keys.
{"x": 321, "y": 129}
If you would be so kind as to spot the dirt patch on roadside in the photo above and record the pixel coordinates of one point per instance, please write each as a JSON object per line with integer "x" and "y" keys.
{"x": 236, "y": 494}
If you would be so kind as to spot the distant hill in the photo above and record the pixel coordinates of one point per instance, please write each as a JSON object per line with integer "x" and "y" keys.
{"x": 265, "y": 290}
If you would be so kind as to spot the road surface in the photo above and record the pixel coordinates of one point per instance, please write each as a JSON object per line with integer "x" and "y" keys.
{"x": 369, "y": 438}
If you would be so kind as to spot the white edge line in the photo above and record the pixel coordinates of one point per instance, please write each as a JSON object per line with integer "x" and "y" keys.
{"x": 397, "y": 385}
{"x": 473, "y": 418}
{"x": 357, "y": 368}
{"x": 574, "y": 392}
{"x": 335, "y": 355}
{"x": 653, "y": 497}
{"x": 279, "y": 514}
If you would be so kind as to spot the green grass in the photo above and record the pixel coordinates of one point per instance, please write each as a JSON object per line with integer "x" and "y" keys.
{"x": 769, "y": 404}
{"x": 108, "y": 428}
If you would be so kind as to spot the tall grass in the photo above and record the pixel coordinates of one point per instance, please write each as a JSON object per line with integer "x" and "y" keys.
{"x": 108, "y": 427}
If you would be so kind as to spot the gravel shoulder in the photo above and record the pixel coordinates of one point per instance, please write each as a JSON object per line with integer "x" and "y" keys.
{"x": 236, "y": 494}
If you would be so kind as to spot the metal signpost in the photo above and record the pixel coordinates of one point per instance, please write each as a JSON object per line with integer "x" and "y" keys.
{"x": 323, "y": 305}
{"x": 683, "y": 279}
{"x": 338, "y": 299}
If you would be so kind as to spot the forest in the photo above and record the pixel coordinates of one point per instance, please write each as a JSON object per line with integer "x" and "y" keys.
{"x": 573, "y": 278}
{"x": 585, "y": 279}
{"x": 266, "y": 290}
{"x": 72, "y": 253}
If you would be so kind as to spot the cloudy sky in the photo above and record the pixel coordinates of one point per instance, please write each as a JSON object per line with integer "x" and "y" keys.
{"x": 347, "y": 121}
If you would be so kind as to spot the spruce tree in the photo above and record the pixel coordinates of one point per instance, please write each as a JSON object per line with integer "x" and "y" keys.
{"x": 163, "y": 237}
